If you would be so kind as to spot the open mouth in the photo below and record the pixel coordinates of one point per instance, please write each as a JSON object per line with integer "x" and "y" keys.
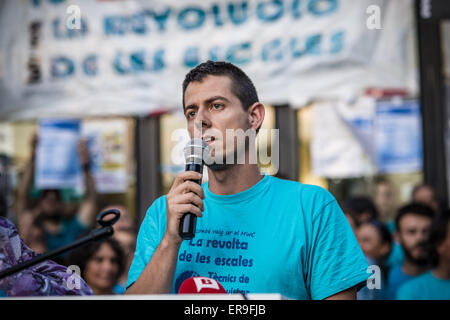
{"x": 208, "y": 139}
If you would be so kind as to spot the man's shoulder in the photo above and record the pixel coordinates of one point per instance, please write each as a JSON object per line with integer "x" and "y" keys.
{"x": 414, "y": 285}
{"x": 157, "y": 204}
{"x": 308, "y": 192}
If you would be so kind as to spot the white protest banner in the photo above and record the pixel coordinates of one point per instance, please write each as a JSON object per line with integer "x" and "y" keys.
{"x": 79, "y": 58}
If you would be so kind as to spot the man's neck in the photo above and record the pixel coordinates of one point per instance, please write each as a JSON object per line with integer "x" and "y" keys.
{"x": 411, "y": 268}
{"x": 234, "y": 179}
{"x": 442, "y": 271}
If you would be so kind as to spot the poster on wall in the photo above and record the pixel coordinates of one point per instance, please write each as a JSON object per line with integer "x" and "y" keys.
{"x": 335, "y": 151}
{"x": 398, "y": 136}
{"x": 106, "y": 141}
{"x": 57, "y": 161}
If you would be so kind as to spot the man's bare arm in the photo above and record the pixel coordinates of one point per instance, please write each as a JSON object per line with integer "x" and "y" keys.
{"x": 184, "y": 196}
{"x": 25, "y": 182}
{"x": 88, "y": 208}
{"x": 157, "y": 276}
{"x": 349, "y": 294}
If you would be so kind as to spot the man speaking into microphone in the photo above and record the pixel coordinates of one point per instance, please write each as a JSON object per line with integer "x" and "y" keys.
{"x": 254, "y": 233}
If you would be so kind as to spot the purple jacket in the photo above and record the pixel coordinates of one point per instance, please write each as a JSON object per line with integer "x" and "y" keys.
{"x": 44, "y": 279}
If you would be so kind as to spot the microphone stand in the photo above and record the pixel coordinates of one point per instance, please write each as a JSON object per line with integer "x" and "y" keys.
{"x": 95, "y": 235}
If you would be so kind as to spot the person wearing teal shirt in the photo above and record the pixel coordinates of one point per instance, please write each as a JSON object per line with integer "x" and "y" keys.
{"x": 255, "y": 233}
{"x": 413, "y": 223}
{"x": 425, "y": 287}
{"x": 435, "y": 284}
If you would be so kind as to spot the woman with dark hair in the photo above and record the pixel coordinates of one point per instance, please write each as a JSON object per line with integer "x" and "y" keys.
{"x": 375, "y": 240}
{"x": 101, "y": 264}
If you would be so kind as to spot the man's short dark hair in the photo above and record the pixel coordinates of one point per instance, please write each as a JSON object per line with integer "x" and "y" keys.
{"x": 357, "y": 205}
{"x": 57, "y": 193}
{"x": 241, "y": 85}
{"x": 413, "y": 208}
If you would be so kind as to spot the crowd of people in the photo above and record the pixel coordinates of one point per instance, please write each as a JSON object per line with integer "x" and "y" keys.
{"x": 411, "y": 250}
{"x": 45, "y": 221}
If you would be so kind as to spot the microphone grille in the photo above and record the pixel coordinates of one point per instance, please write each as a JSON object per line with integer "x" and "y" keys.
{"x": 195, "y": 151}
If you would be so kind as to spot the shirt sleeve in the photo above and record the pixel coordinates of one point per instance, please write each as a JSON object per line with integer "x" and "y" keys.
{"x": 336, "y": 261}
{"x": 148, "y": 239}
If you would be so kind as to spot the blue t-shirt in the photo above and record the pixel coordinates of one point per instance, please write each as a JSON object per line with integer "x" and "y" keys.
{"x": 395, "y": 257}
{"x": 70, "y": 230}
{"x": 278, "y": 236}
{"x": 395, "y": 279}
{"x": 425, "y": 287}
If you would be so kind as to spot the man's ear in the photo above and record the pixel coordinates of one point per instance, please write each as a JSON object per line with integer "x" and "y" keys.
{"x": 256, "y": 113}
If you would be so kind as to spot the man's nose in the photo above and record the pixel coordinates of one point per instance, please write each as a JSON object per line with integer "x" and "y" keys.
{"x": 201, "y": 122}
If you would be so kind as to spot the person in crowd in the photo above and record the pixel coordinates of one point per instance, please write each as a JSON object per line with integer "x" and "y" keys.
{"x": 434, "y": 284}
{"x": 125, "y": 222}
{"x": 288, "y": 237}
{"x": 127, "y": 240}
{"x": 46, "y": 278}
{"x": 125, "y": 233}
{"x": 413, "y": 223}
{"x": 101, "y": 264}
{"x": 59, "y": 230}
{"x": 362, "y": 209}
{"x": 384, "y": 200}
{"x": 424, "y": 193}
{"x": 375, "y": 241}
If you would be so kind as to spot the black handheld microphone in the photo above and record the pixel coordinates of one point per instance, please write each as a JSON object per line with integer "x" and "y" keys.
{"x": 194, "y": 153}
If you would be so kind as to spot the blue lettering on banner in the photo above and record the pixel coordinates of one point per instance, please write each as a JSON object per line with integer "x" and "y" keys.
{"x": 138, "y": 61}
{"x": 322, "y": 7}
{"x": 90, "y": 65}
{"x": 238, "y": 13}
{"x": 296, "y": 12}
{"x": 191, "y": 57}
{"x": 215, "y": 9}
{"x": 270, "y": 11}
{"x": 119, "y": 25}
{"x": 194, "y": 17}
{"x": 62, "y": 67}
{"x": 272, "y": 51}
{"x": 160, "y": 18}
{"x": 236, "y": 54}
{"x": 191, "y": 18}
{"x": 60, "y": 30}
{"x": 337, "y": 42}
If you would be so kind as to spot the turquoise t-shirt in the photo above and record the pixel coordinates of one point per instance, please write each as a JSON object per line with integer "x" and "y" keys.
{"x": 71, "y": 229}
{"x": 278, "y": 236}
{"x": 396, "y": 256}
{"x": 395, "y": 279}
{"x": 425, "y": 287}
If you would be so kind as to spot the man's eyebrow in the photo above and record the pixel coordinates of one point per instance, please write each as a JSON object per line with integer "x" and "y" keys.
{"x": 216, "y": 98}
{"x": 191, "y": 106}
{"x": 207, "y": 101}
